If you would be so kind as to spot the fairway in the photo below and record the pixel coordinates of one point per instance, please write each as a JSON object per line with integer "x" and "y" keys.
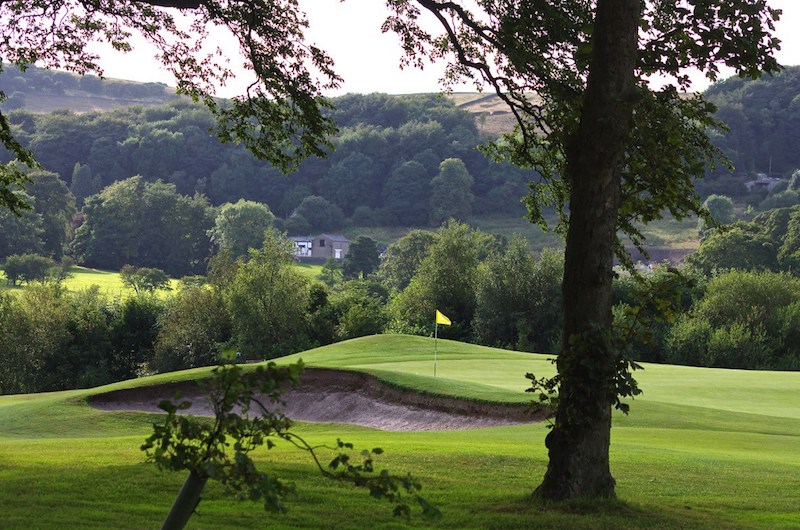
{"x": 110, "y": 282}
{"x": 702, "y": 448}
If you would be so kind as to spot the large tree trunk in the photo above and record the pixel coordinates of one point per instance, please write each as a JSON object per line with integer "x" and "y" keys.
{"x": 579, "y": 442}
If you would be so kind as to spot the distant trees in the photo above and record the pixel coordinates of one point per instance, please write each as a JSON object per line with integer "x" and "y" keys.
{"x": 29, "y": 268}
{"x": 741, "y": 246}
{"x": 445, "y": 280}
{"x": 405, "y": 194}
{"x": 20, "y": 234}
{"x": 771, "y": 241}
{"x": 721, "y": 210}
{"x": 745, "y": 320}
{"x": 267, "y": 300}
{"x": 193, "y": 330}
{"x": 56, "y": 205}
{"x": 54, "y": 339}
{"x": 451, "y": 192}
{"x": 144, "y": 279}
{"x": 361, "y": 259}
{"x": 320, "y": 213}
{"x": 518, "y": 299}
{"x": 403, "y": 257}
{"x": 763, "y": 116}
{"x": 240, "y": 226}
{"x": 146, "y": 224}
{"x": 379, "y": 135}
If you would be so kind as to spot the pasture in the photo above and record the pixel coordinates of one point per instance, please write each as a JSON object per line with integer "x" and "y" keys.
{"x": 702, "y": 448}
{"x": 110, "y": 282}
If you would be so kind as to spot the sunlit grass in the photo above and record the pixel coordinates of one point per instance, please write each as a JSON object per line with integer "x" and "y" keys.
{"x": 702, "y": 448}
{"x": 110, "y": 283}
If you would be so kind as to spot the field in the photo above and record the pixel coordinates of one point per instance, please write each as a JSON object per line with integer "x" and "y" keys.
{"x": 111, "y": 284}
{"x": 702, "y": 448}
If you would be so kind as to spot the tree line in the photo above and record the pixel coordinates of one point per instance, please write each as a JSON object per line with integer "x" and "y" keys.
{"x": 378, "y": 134}
{"x": 385, "y": 169}
{"x": 496, "y": 292}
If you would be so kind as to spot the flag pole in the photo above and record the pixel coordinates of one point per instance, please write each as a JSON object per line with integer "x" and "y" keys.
{"x": 435, "y": 338}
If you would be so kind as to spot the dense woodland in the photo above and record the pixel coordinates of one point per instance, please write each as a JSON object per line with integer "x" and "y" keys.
{"x": 151, "y": 188}
{"x": 387, "y": 154}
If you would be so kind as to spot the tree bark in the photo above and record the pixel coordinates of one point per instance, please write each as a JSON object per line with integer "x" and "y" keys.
{"x": 579, "y": 441}
{"x": 186, "y": 502}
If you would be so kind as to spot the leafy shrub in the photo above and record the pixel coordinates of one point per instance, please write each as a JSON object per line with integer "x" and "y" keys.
{"x": 30, "y": 268}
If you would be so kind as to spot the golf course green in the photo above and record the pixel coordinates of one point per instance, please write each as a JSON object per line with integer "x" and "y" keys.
{"x": 701, "y": 448}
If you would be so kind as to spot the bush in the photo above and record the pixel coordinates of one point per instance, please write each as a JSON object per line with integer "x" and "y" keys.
{"x": 192, "y": 331}
{"x": 745, "y": 320}
{"x": 30, "y": 268}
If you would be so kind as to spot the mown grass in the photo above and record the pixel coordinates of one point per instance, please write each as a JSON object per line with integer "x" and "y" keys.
{"x": 110, "y": 283}
{"x": 701, "y": 449}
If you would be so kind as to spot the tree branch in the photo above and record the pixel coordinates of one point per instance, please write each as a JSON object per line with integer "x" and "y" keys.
{"x": 177, "y": 4}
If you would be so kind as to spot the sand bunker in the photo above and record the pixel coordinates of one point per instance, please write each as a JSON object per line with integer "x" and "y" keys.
{"x": 344, "y": 397}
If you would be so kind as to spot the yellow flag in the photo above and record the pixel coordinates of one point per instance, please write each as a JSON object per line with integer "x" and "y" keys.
{"x": 441, "y": 319}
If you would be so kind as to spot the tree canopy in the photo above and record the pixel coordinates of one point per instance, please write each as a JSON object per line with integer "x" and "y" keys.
{"x": 279, "y": 117}
{"x": 590, "y": 133}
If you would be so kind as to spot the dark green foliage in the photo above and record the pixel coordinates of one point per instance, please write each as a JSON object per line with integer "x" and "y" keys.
{"x": 405, "y": 194}
{"x": 20, "y": 233}
{"x": 763, "y": 116}
{"x": 741, "y": 246}
{"x": 647, "y": 305}
{"x": 519, "y": 299}
{"x": 403, "y": 257}
{"x": 55, "y": 340}
{"x": 720, "y": 208}
{"x": 192, "y": 330}
{"x": 146, "y": 225}
{"x": 296, "y": 225}
{"x": 240, "y": 226}
{"x": 771, "y": 241}
{"x": 358, "y": 308}
{"x": 744, "y": 321}
{"x": 321, "y": 214}
{"x": 361, "y": 259}
{"x": 133, "y": 333}
{"x": 84, "y": 183}
{"x": 451, "y": 192}
{"x": 144, "y": 279}
{"x": 331, "y": 273}
{"x": 171, "y": 143}
{"x": 445, "y": 280}
{"x": 30, "y": 268}
{"x": 56, "y": 205}
{"x": 267, "y": 300}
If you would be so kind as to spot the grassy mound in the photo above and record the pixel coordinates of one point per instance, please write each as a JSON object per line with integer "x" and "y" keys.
{"x": 702, "y": 448}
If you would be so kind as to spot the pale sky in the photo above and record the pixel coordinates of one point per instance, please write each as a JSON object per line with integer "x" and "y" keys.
{"x": 368, "y": 60}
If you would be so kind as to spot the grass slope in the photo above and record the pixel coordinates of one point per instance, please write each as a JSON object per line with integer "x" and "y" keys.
{"x": 702, "y": 448}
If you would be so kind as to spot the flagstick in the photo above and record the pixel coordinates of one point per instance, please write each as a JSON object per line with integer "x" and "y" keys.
{"x": 435, "y": 338}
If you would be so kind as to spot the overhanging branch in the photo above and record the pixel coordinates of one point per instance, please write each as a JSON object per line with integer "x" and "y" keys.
{"x": 177, "y": 4}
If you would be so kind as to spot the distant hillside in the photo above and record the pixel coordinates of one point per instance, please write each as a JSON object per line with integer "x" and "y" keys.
{"x": 40, "y": 90}
{"x": 763, "y": 116}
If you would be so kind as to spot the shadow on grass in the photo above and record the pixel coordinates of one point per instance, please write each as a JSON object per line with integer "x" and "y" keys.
{"x": 586, "y": 513}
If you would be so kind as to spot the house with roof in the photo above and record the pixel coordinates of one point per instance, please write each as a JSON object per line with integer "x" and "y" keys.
{"x": 321, "y": 247}
{"x": 762, "y": 182}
